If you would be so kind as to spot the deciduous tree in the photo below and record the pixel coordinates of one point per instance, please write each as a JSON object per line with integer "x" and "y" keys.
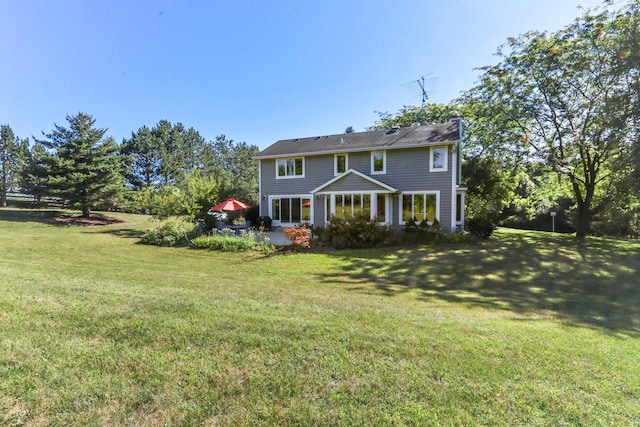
{"x": 569, "y": 95}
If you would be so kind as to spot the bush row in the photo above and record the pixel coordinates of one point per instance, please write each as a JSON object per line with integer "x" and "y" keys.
{"x": 175, "y": 232}
{"x": 359, "y": 231}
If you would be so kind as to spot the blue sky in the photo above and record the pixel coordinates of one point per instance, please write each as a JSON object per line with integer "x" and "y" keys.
{"x": 256, "y": 71}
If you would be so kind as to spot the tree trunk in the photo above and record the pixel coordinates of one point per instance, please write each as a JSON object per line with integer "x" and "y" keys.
{"x": 3, "y": 198}
{"x": 86, "y": 211}
{"x": 584, "y": 221}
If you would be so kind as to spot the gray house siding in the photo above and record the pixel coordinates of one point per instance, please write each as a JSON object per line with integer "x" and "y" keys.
{"x": 406, "y": 169}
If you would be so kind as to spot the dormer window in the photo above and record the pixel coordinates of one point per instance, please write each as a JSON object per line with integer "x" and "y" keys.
{"x": 340, "y": 164}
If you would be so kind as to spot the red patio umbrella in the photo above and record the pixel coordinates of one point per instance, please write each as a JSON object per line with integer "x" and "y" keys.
{"x": 230, "y": 205}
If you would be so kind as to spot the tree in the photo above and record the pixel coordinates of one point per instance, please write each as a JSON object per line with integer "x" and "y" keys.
{"x": 82, "y": 166}
{"x": 235, "y": 169}
{"x": 12, "y": 152}
{"x": 144, "y": 155}
{"x": 411, "y": 115}
{"x": 34, "y": 173}
{"x": 164, "y": 154}
{"x": 566, "y": 100}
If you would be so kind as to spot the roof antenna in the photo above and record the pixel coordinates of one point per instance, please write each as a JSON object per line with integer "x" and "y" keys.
{"x": 423, "y": 86}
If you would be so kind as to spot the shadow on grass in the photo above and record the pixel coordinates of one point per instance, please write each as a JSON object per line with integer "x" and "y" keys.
{"x": 66, "y": 219}
{"x": 30, "y": 215}
{"x": 596, "y": 282}
{"x": 128, "y": 233}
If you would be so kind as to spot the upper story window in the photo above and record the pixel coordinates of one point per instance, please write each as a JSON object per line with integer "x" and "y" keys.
{"x": 290, "y": 168}
{"x": 378, "y": 162}
{"x": 438, "y": 159}
{"x": 340, "y": 164}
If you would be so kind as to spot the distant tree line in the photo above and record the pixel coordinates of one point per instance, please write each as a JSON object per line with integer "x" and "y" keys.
{"x": 166, "y": 170}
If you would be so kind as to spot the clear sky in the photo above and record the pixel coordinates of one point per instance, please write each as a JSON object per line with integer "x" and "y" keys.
{"x": 254, "y": 70}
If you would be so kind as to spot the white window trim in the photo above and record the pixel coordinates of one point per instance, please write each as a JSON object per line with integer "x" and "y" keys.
{"x": 384, "y": 163}
{"x": 290, "y": 196}
{"x": 335, "y": 164}
{"x": 291, "y": 176}
{"x": 422, "y": 193}
{"x": 446, "y": 159}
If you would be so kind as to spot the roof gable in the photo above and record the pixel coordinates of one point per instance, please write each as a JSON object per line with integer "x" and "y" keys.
{"x": 354, "y": 179}
{"x": 417, "y": 136}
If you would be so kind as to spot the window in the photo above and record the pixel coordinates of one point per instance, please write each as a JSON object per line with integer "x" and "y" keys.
{"x": 290, "y": 168}
{"x": 378, "y": 162}
{"x": 381, "y": 208}
{"x": 291, "y": 209}
{"x": 340, "y": 163}
{"x": 371, "y": 205}
{"x": 420, "y": 207}
{"x": 352, "y": 204}
{"x": 438, "y": 159}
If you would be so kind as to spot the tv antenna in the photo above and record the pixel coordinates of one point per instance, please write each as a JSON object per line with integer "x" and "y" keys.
{"x": 423, "y": 86}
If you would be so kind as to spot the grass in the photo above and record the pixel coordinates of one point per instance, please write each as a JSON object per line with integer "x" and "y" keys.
{"x": 525, "y": 328}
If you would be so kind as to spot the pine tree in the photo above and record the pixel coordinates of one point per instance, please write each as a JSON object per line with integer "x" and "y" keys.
{"x": 12, "y": 152}
{"x": 83, "y": 167}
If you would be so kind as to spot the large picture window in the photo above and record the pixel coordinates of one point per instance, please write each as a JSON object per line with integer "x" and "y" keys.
{"x": 352, "y": 204}
{"x": 290, "y": 168}
{"x": 371, "y": 205}
{"x": 420, "y": 207}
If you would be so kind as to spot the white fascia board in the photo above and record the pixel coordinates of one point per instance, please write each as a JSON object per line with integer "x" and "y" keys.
{"x": 361, "y": 175}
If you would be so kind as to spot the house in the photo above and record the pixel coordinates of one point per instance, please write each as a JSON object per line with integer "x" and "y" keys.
{"x": 393, "y": 175}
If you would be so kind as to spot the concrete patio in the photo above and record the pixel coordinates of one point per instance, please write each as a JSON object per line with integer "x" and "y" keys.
{"x": 276, "y": 237}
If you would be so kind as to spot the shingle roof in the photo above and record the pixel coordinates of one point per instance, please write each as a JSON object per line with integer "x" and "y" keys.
{"x": 364, "y": 141}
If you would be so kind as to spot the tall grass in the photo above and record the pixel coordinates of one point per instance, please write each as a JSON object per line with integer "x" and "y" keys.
{"x": 523, "y": 329}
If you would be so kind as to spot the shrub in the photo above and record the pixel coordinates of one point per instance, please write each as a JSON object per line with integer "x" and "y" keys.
{"x": 171, "y": 232}
{"x": 480, "y": 227}
{"x": 227, "y": 241}
{"x": 423, "y": 232}
{"x": 452, "y": 237}
{"x": 300, "y": 236}
{"x": 355, "y": 231}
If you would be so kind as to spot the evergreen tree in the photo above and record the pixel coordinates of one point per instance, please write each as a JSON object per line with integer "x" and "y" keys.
{"x": 83, "y": 167}
{"x": 34, "y": 172}
{"x": 235, "y": 169}
{"x": 12, "y": 151}
{"x": 164, "y": 154}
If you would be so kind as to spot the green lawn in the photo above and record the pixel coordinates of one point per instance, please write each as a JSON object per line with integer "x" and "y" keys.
{"x": 526, "y": 328}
